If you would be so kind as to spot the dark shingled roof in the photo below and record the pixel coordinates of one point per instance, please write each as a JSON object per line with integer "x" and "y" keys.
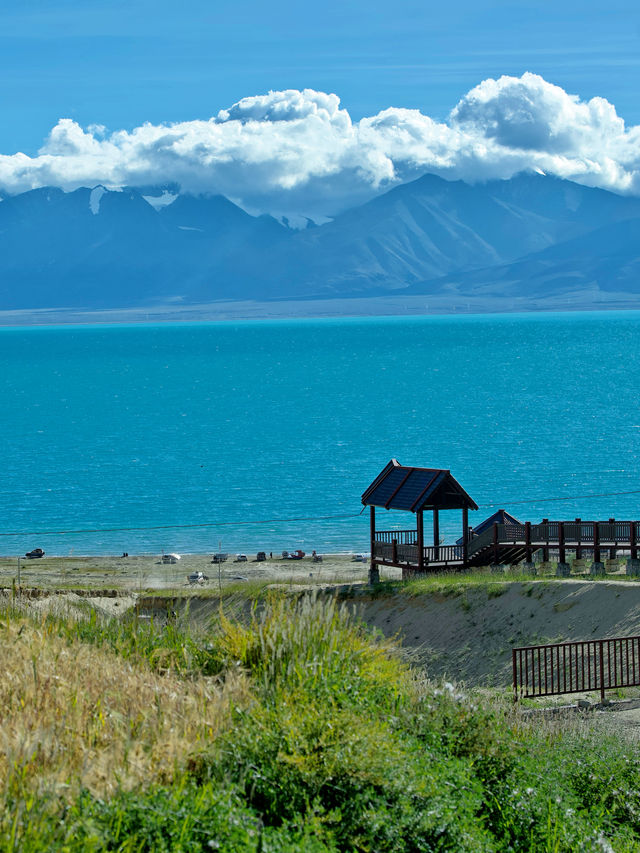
{"x": 501, "y": 517}
{"x": 412, "y": 489}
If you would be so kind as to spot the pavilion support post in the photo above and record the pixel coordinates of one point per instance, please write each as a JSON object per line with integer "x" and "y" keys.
{"x": 465, "y": 535}
{"x": 374, "y": 572}
{"x": 579, "y": 539}
{"x": 436, "y": 534}
{"x": 420, "y": 530}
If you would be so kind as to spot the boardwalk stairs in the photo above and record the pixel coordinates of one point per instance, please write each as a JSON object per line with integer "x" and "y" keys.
{"x": 481, "y": 550}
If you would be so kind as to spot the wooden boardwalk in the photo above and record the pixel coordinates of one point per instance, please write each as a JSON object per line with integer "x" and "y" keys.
{"x": 510, "y": 544}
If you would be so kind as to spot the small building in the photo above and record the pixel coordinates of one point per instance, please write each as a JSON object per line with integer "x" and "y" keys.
{"x": 416, "y": 490}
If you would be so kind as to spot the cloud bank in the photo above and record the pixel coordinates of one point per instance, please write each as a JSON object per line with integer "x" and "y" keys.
{"x": 299, "y": 151}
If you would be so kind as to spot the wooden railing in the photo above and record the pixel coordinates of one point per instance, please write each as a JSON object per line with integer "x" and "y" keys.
{"x": 574, "y": 533}
{"x": 443, "y": 554}
{"x": 407, "y": 551}
{"x": 477, "y": 543}
{"x": 401, "y": 546}
{"x": 402, "y": 537}
{"x": 577, "y": 667}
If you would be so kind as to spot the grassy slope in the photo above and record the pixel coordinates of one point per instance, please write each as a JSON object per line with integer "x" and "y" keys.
{"x": 299, "y": 731}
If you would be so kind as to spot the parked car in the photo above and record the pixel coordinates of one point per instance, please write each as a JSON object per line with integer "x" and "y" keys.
{"x": 240, "y": 558}
{"x": 197, "y": 578}
{"x": 261, "y": 556}
{"x": 37, "y": 552}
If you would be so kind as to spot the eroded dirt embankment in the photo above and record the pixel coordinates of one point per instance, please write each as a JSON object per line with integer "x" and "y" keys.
{"x": 468, "y": 635}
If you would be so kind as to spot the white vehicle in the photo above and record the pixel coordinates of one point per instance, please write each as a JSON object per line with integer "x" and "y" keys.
{"x": 170, "y": 558}
{"x": 197, "y": 578}
{"x": 241, "y": 558}
{"x": 359, "y": 558}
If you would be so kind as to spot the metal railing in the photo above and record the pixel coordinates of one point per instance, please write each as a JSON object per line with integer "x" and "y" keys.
{"x": 576, "y": 667}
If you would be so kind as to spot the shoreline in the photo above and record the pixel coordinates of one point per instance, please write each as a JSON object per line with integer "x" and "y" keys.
{"x": 387, "y": 305}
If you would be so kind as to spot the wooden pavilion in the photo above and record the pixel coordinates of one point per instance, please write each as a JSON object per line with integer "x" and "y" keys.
{"x": 416, "y": 490}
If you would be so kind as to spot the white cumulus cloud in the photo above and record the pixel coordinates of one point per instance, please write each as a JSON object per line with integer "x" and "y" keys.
{"x": 299, "y": 151}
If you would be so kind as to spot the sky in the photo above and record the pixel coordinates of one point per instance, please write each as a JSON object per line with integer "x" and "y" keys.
{"x": 133, "y": 91}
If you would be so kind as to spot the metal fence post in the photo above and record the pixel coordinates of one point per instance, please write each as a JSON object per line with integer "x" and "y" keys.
{"x": 601, "y": 655}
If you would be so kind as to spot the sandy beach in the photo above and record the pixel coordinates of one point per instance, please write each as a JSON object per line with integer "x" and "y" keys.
{"x": 148, "y": 572}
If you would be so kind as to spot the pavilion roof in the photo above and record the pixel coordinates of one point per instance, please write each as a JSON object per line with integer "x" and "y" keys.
{"x": 412, "y": 489}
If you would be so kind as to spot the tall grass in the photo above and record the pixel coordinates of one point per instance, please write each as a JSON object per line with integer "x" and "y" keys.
{"x": 73, "y": 714}
{"x": 295, "y": 729}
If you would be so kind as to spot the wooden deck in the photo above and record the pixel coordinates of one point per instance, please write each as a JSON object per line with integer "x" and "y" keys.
{"x": 509, "y": 544}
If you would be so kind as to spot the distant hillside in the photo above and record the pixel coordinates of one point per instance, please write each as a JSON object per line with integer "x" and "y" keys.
{"x": 530, "y": 236}
{"x": 606, "y": 260}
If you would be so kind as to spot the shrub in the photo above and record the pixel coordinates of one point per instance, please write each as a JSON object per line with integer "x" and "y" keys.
{"x": 371, "y": 788}
{"x": 313, "y": 646}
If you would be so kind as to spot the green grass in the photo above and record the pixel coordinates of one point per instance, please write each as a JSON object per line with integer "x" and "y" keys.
{"x": 456, "y": 583}
{"x": 339, "y": 745}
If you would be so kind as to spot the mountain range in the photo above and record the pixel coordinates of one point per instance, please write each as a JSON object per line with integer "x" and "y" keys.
{"x": 532, "y": 237}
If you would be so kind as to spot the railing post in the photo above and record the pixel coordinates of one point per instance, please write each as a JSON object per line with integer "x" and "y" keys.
{"x": 420, "y": 529}
{"x": 561, "y": 549}
{"x": 596, "y": 542}
{"x": 515, "y": 675}
{"x": 632, "y": 538}
{"x": 545, "y": 550}
{"x": 579, "y": 539}
{"x": 601, "y": 655}
{"x": 394, "y": 550}
{"x": 527, "y": 542}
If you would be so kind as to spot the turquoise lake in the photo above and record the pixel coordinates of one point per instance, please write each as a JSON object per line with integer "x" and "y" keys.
{"x": 235, "y": 424}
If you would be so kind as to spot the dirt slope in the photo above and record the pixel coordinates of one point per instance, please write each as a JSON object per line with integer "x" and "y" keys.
{"x": 469, "y": 636}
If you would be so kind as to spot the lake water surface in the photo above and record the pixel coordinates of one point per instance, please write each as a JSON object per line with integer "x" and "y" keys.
{"x": 230, "y": 424}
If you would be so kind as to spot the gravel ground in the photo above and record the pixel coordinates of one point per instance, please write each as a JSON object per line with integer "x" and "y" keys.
{"x": 148, "y": 572}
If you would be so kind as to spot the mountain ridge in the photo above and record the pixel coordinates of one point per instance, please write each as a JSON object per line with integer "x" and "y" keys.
{"x": 533, "y": 235}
